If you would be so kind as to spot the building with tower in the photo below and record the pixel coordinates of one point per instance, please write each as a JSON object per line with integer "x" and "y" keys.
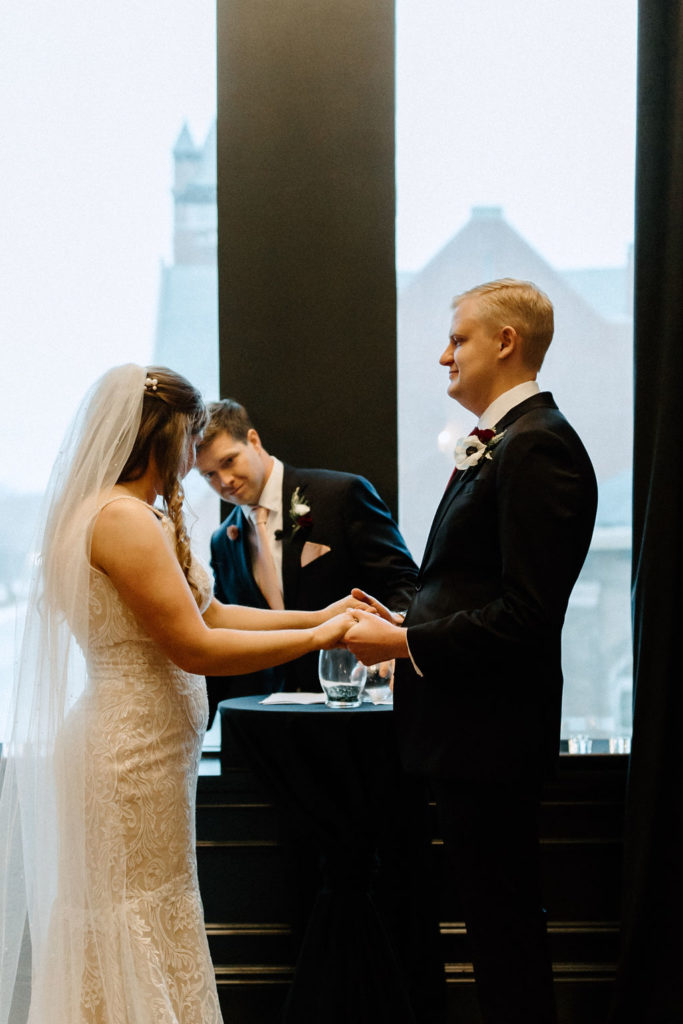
{"x": 187, "y": 316}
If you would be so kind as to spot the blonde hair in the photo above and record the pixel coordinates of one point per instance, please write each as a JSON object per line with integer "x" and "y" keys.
{"x": 172, "y": 413}
{"x": 518, "y": 304}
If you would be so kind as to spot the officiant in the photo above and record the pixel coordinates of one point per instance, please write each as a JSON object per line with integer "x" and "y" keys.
{"x": 296, "y": 538}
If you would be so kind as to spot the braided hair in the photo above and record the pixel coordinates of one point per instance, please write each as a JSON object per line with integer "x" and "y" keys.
{"x": 173, "y": 412}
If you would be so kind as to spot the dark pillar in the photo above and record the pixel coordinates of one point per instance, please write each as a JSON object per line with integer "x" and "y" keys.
{"x": 306, "y": 207}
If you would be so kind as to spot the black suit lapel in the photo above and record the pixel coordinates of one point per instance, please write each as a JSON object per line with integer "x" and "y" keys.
{"x": 456, "y": 484}
{"x": 292, "y": 543}
{"x": 242, "y": 550}
{"x": 542, "y": 400}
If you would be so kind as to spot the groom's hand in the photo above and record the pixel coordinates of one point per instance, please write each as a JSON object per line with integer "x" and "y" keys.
{"x": 372, "y": 639}
{"x": 394, "y": 617}
{"x": 346, "y": 603}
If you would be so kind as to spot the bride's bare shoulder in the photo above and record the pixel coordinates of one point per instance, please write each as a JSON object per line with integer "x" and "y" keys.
{"x": 126, "y": 506}
{"x": 124, "y": 525}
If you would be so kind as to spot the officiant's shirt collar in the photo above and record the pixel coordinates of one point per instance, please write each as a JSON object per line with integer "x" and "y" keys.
{"x": 271, "y": 495}
{"x": 508, "y": 400}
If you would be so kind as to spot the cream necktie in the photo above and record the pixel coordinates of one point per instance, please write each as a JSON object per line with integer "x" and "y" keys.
{"x": 264, "y": 566}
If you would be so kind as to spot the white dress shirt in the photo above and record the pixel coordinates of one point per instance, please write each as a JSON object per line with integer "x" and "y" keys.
{"x": 508, "y": 400}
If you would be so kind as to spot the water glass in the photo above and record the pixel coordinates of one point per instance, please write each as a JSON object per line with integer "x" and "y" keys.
{"x": 378, "y": 682}
{"x": 342, "y": 678}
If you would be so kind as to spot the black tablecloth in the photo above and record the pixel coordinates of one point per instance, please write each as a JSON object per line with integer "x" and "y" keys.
{"x": 370, "y": 950}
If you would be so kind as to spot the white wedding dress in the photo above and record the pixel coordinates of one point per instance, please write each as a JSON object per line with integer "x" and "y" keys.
{"x": 137, "y": 933}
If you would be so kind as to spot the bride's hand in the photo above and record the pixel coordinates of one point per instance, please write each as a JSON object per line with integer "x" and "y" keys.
{"x": 330, "y": 633}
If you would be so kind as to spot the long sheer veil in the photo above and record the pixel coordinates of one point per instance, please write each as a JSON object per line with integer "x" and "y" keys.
{"x": 42, "y": 767}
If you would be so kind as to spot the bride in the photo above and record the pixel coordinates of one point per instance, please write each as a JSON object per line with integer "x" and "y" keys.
{"x": 99, "y": 884}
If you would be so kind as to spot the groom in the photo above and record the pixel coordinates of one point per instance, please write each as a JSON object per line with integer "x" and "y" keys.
{"x": 478, "y": 692}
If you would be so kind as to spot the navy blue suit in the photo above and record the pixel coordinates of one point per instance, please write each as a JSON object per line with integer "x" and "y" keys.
{"x": 506, "y": 546}
{"x": 366, "y": 550}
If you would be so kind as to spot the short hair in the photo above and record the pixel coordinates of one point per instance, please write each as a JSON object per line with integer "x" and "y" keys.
{"x": 226, "y": 416}
{"x": 518, "y": 304}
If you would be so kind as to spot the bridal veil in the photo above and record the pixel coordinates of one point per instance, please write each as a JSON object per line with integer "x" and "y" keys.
{"x": 43, "y": 769}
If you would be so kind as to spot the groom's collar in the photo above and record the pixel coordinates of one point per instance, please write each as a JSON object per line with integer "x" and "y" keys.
{"x": 502, "y": 405}
{"x": 543, "y": 400}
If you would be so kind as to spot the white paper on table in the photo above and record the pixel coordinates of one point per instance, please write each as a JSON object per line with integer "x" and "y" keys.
{"x": 294, "y": 698}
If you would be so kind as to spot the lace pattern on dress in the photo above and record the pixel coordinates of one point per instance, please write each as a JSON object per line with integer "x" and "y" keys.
{"x": 136, "y": 924}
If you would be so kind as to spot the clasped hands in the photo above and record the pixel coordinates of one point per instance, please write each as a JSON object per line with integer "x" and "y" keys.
{"x": 374, "y": 634}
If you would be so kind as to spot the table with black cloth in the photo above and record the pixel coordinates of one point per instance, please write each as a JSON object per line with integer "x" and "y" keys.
{"x": 369, "y": 952}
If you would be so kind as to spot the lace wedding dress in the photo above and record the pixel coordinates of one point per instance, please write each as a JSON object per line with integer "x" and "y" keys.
{"x": 137, "y": 932}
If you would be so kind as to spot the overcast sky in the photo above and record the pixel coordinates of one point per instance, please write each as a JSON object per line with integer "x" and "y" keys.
{"x": 529, "y": 106}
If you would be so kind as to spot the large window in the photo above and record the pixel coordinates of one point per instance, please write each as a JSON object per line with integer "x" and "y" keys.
{"x": 108, "y": 241}
{"x": 515, "y": 144}
{"x": 515, "y": 157}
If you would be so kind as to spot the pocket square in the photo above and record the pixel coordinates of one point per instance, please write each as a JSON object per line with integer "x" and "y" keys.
{"x": 311, "y": 551}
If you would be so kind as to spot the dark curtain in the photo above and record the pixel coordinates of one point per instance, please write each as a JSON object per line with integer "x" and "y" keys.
{"x": 650, "y": 978}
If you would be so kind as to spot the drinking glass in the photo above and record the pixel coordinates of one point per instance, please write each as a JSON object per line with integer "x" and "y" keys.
{"x": 378, "y": 682}
{"x": 342, "y": 677}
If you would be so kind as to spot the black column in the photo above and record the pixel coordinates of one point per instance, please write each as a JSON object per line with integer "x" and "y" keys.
{"x": 650, "y": 984}
{"x": 306, "y": 208}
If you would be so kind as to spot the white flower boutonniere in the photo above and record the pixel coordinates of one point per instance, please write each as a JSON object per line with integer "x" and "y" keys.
{"x": 299, "y": 511}
{"x": 480, "y": 444}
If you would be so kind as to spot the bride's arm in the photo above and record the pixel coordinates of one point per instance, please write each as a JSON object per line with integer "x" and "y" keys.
{"x": 235, "y": 616}
{"x": 129, "y": 545}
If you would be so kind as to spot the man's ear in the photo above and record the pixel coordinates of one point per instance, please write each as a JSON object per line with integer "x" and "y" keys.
{"x": 509, "y": 342}
{"x": 253, "y": 438}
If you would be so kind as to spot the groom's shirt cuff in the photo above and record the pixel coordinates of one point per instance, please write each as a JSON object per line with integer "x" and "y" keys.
{"x": 410, "y": 655}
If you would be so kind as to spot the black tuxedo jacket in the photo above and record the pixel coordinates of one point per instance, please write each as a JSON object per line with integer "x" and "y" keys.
{"x": 505, "y": 548}
{"x": 366, "y": 550}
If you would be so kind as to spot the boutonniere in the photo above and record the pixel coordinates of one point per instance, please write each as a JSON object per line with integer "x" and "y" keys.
{"x": 299, "y": 513}
{"x": 233, "y": 532}
{"x": 480, "y": 444}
